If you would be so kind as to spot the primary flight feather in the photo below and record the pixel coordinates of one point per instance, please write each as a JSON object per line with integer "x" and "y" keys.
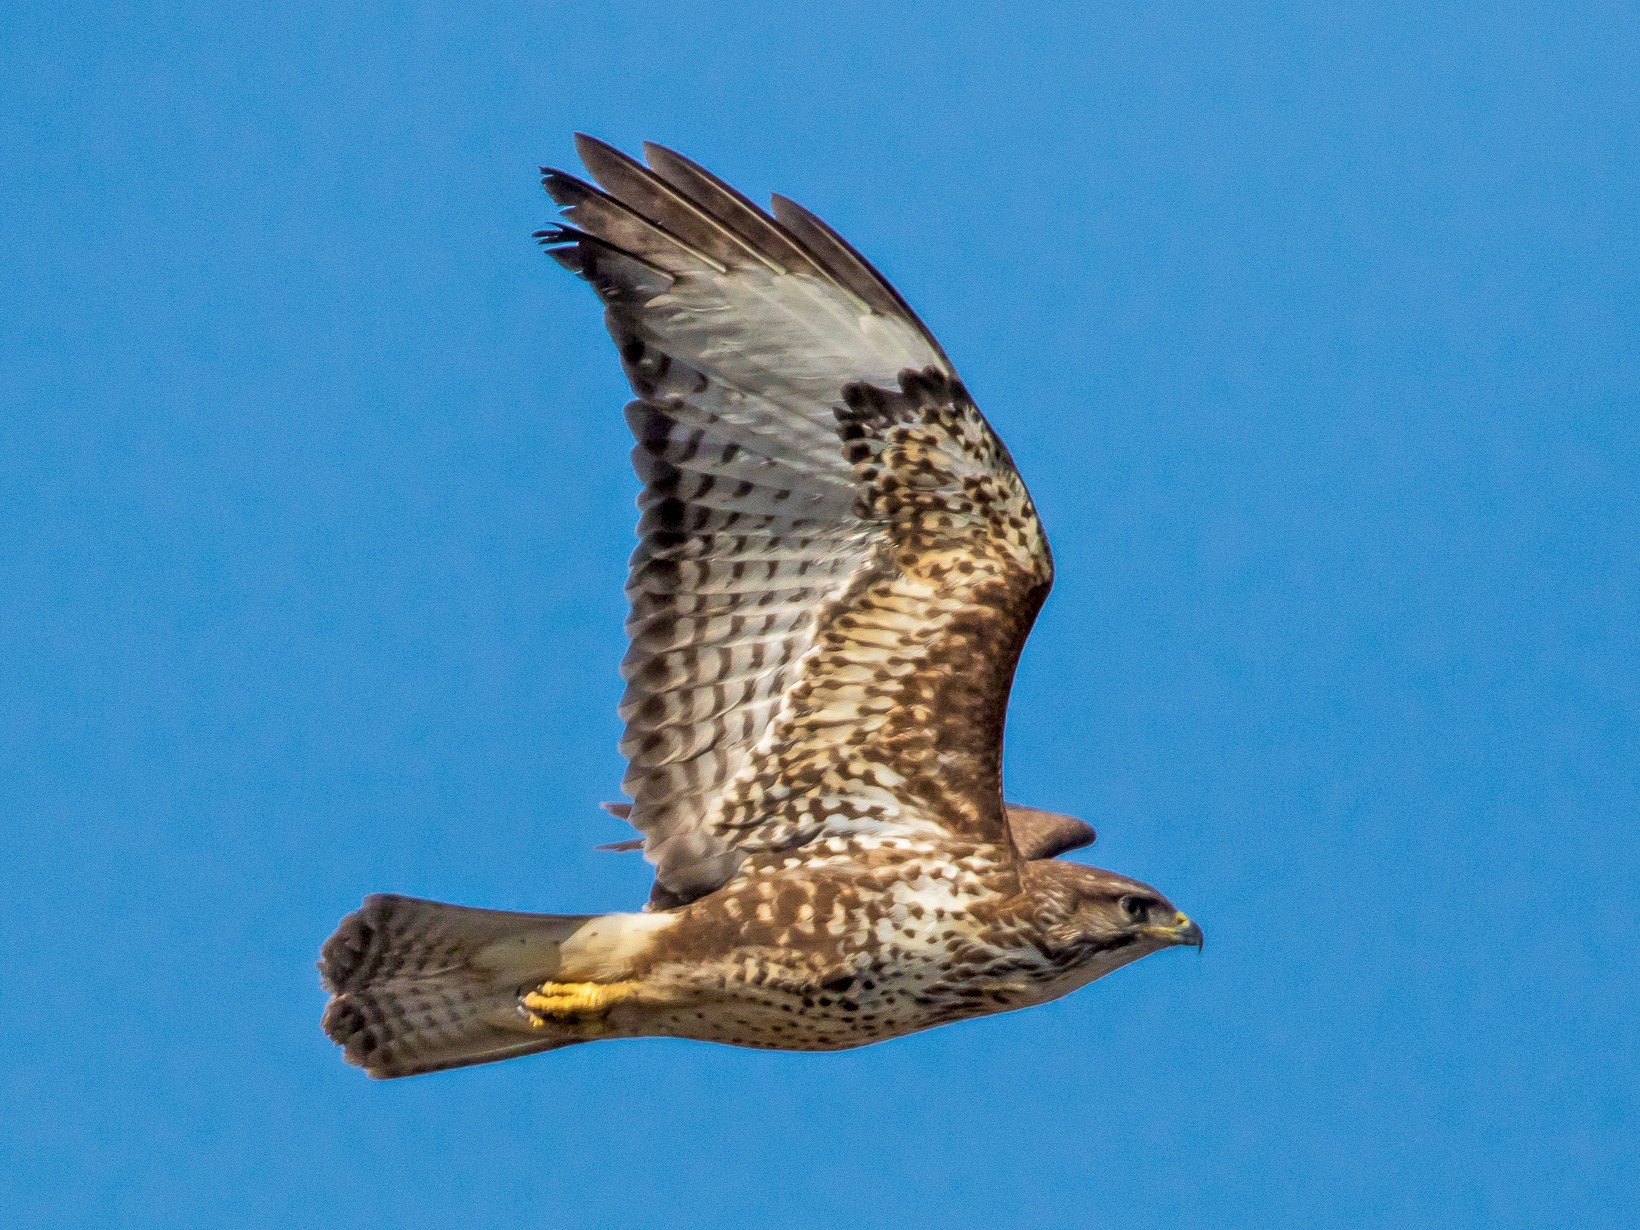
{"x": 837, "y": 569}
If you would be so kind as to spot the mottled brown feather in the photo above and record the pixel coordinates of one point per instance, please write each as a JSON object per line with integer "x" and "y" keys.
{"x": 838, "y": 563}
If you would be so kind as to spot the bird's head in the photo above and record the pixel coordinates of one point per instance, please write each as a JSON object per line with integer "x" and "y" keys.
{"x": 1106, "y": 920}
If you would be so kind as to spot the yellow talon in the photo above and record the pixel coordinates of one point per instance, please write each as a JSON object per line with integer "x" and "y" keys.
{"x": 571, "y": 999}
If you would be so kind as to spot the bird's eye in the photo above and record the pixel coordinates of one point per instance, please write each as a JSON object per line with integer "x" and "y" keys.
{"x": 1135, "y": 908}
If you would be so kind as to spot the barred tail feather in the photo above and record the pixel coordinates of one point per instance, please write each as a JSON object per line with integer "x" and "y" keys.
{"x": 418, "y": 986}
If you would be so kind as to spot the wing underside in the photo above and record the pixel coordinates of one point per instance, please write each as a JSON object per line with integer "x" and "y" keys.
{"x": 838, "y": 563}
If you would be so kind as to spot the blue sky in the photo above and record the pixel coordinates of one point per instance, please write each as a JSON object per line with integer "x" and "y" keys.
{"x": 1315, "y": 330}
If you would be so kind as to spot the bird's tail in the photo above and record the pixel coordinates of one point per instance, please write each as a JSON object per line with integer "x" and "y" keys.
{"x": 418, "y": 986}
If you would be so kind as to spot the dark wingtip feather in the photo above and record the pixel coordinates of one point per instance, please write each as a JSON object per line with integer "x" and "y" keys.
{"x": 585, "y": 142}
{"x": 565, "y": 189}
{"x": 566, "y": 245}
{"x": 846, "y": 264}
{"x": 754, "y": 225}
{"x": 674, "y": 209}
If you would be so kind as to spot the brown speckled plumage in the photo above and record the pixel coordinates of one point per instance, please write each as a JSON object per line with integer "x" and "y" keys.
{"x": 838, "y": 565}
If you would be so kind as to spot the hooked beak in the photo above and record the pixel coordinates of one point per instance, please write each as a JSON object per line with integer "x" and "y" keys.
{"x": 1181, "y": 931}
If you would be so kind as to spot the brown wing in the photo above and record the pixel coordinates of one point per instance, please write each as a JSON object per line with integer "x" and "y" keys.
{"x": 838, "y": 563}
{"x": 1042, "y": 834}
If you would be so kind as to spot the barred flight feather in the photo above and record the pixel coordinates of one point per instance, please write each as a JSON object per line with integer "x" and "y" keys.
{"x": 838, "y": 563}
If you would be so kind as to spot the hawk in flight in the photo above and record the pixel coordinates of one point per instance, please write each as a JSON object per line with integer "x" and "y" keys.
{"x": 837, "y": 569}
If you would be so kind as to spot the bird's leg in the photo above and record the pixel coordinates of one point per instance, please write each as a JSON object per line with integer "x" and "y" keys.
{"x": 566, "y": 1003}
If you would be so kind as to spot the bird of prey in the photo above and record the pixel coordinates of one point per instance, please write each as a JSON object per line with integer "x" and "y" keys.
{"x": 837, "y": 569}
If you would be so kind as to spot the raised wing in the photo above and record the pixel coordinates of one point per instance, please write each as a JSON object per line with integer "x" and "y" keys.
{"x": 838, "y": 562}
